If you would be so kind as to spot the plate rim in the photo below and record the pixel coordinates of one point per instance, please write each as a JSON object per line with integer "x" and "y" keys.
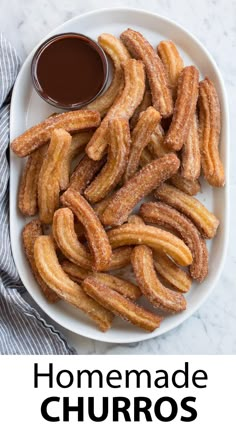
{"x": 180, "y": 319}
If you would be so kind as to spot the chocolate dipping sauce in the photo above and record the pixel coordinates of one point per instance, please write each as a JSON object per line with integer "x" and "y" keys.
{"x": 69, "y": 70}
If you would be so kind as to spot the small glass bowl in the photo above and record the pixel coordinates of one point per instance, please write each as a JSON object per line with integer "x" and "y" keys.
{"x": 35, "y": 80}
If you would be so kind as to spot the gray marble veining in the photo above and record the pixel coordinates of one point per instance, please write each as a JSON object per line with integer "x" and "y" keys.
{"x": 212, "y": 329}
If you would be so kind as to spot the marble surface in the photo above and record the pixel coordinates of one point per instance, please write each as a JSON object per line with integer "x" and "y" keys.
{"x": 212, "y": 329}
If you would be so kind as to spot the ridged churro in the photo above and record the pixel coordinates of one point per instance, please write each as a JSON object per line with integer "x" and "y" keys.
{"x": 185, "y": 106}
{"x": 159, "y": 295}
{"x": 173, "y": 275}
{"x": 191, "y": 187}
{"x": 120, "y": 285}
{"x": 140, "y": 48}
{"x": 206, "y": 222}
{"x": 71, "y": 121}
{"x": 50, "y": 174}
{"x": 65, "y": 236}
{"x": 146, "y": 102}
{"x": 120, "y": 305}
{"x": 170, "y": 219}
{"x": 54, "y": 276}
{"x": 140, "y": 137}
{"x": 67, "y": 240}
{"x": 30, "y": 233}
{"x": 158, "y": 239}
{"x": 28, "y": 189}
{"x": 172, "y": 62}
{"x": 95, "y": 233}
{"x": 124, "y": 106}
{"x": 190, "y": 155}
{"x": 112, "y": 172}
{"x": 84, "y": 173}
{"x": 140, "y": 185}
{"x": 210, "y": 126}
{"x": 78, "y": 144}
{"x": 118, "y": 54}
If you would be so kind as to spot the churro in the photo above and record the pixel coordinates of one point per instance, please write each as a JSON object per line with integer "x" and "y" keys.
{"x": 191, "y": 187}
{"x": 78, "y": 144}
{"x": 170, "y": 219}
{"x": 71, "y": 121}
{"x": 67, "y": 240}
{"x": 171, "y": 274}
{"x": 28, "y": 189}
{"x": 94, "y": 231}
{"x": 158, "y": 239}
{"x": 140, "y": 48}
{"x": 210, "y": 126}
{"x": 185, "y": 106}
{"x": 146, "y": 102}
{"x": 120, "y": 305}
{"x": 124, "y": 287}
{"x": 191, "y": 156}
{"x": 172, "y": 62}
{"x": 30, "y": 233}
{"x": 118, "y": 54}
{"x": 140, "y": 185}
{"x": 50, "y": 175}
{"x": 84, "y": 173}
{"x": 206, "y": 222}
{"x": 140, "y": 137}
{"x": 159, "y": 295}
{"x": 124, "y": 106}
{"x": 54, "y": 276}
{"x": 112, "y": 172}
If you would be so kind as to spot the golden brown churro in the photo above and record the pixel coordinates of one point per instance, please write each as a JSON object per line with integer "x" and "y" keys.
{"x": 140, "y": 185}
{"x": 28, "y": 190}
{"x": 120, "y": 305}
{"x": 84, "y": 173}
{"x": 54, "y": 276}
{"x": 191, "y": 187}
{"x": 190, "y": 156}
{"x": 111, "y": 173}
{"x": 50, "y": 175}
{"x": 170, "y": 219}
{"x": 210, "y": 126}
{"x": 124, "y": 106}
{"x": 185, "y": 106}
{"x": 120, "y": 285}
{"x": 118, "y": 54}
{"x": 78, "y": 144}
{"x": 140, "y": 48}
{"x": 172, "y": 62}
{"x": 206, "y": 222}
{"x": 172, "y": 274}
{"x": 159, "y": 295}
{"x": 95, "y": 233}
{"x": 159, "y": 240}
{"x": 30, "y": 233}
{"x": 71, "y": 121}
{"x": 146, "y": 102}
{"x": 67, "y": 240}
{"x": 140, "y": 137}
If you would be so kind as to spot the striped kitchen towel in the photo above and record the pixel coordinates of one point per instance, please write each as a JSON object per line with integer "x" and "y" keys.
{"x": 24, "y": 328}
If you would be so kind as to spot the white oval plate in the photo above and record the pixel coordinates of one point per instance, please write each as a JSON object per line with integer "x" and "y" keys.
{"x": 27, "y": 109}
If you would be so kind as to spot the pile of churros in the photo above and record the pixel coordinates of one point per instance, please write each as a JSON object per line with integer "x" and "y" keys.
{"x": 150, "y": 135}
